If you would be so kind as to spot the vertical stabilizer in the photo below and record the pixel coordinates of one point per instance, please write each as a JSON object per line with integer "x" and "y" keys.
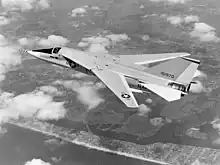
{"x": 180, "y": 69}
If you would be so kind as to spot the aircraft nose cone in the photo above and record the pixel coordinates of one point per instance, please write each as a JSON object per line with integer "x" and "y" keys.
{"x": 33, "y": 53}
{"x": 22, "y": 51}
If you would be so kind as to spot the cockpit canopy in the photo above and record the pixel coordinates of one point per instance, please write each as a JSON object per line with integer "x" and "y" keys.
{"x": 54, "y": 50}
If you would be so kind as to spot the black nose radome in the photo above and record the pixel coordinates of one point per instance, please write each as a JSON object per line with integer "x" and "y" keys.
{"x": 48, "y": 51}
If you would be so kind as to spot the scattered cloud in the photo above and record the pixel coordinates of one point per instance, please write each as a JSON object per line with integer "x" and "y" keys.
{"x": 87, "y": 92}
{"x": 191, "y": 19}
{"x": 177, "y": 20}
{"x": 4, "y": 20}
{"x": 149, "y": 101}
{"x": 200, "y": 74}
{"x": 24, "y": 41}
{"x": 204, "y": 33}
{"x": 34, "y": 104}
{"x": 81, "y": 11}
{"x": 50, "y": 90}
{"x": 95, "y": 8}
{"x": 78, "y": 12}
{"x": 79, "y": 75}
{"x": 114, "y": 38}
{"x": 56, "y": 159}
{"x": 197, "y": 88}
{"x": 171, "y": 1}
{"x": 52, "y": 40}
{"x": 9, "y": 56}
{"x": 25, "y": 5}
{"x": 100, "y": 43}
{"x": 216, "y": 123}
{"x": 145, "y": 37}
{"x": 141, "y": 6}
{"x": 143, "y": 109}
{"x": 36, "y": 162}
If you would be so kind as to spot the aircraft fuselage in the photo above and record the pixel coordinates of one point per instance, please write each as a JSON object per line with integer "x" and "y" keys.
{"x": 135, "y": 75}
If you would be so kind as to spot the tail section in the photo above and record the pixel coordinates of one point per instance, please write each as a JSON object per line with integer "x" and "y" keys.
{"x": 180, "y": 69}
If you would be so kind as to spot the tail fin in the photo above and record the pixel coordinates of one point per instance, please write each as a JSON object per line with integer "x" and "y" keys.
{"x": 180, "y": 69}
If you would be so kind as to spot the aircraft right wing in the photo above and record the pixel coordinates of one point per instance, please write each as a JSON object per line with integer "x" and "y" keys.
{"x": 118, "y": 85}
{"x": 141, "y": 59}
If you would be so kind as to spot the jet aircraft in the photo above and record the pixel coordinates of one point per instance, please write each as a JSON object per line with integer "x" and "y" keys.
{"x": 168, "y": 75}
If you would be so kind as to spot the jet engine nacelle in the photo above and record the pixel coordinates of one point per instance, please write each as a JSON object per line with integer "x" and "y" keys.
{"x": 181, "y": 87}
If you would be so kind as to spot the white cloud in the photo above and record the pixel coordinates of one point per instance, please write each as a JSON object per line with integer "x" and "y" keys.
{"x": 191, "y": 18}
{"x": 200, "y": 74}
{"x": 50, "y": 90}
{"x": 3, "y": 40}
{"x": 145, "y": 37}
{"x": 204, "y": 33}
{"x": 79, "y": 75}
{"x": 177, "y": 20}
{"x": 36, "y": 162}
{"x": 171, "y": 1}
{"x": 87, "y": 92}
{"x": 95, "y": 8}
{"x": 25, "y": 4}
{"x": 117, "y": 37}
{"x": 149, "y": 100}
{"x": 43, "y": 4}
{"x": 203, "y": 27}
{"x": 23, "y": 41}
{"x": 53, "y": 40}
{"x": 197, "y": 88}
{"x": 100, "y": 43}
{"x": 143, "y": 109}
{"x": 9, "y": 57}
{"x": 4, "y": 21}
{"x": 141, "y": 6}
{"x": 34, "y": 104}
{"x": 78, "y": 12}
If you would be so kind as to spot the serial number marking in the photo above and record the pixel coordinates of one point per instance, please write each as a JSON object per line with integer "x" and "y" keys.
{"x": 167, "y": 74}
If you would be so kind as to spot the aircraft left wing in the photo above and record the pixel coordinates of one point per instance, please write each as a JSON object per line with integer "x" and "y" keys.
{"x": 118, "y": 85}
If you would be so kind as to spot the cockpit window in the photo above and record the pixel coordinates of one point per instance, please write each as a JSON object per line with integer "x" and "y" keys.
{"x": 56, "y": 50}
{"x": 49, "y": 51}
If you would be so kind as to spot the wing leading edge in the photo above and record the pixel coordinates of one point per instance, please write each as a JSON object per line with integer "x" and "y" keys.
{"x": 142, "y": 59}
{"x": 118, "y": 85}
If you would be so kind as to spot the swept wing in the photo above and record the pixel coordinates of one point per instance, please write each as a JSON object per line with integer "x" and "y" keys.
{"x": 141, "y": 59}
{"x": 118, "y": 85}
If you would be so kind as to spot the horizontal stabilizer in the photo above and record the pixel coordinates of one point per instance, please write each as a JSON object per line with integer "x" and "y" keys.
{"x": 141, "y": 59}
{"x": 168, "y": 94}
